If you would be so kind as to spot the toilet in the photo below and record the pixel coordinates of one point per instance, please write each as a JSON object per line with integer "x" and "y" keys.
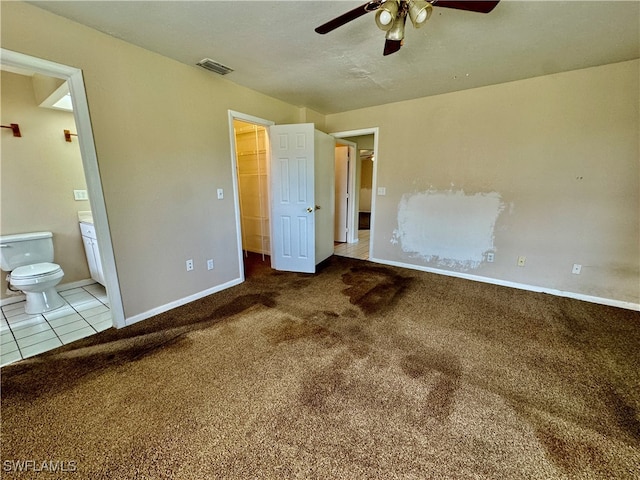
{"x": 28, "y": 257}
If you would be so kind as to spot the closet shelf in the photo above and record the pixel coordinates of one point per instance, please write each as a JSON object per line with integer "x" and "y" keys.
{"x": 251, "y": 152}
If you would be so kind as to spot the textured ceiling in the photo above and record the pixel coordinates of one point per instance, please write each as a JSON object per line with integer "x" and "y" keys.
{"x": 273, "y": 48}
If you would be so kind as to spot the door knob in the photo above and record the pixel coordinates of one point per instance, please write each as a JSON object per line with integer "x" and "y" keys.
{"x": 309, "y": 209}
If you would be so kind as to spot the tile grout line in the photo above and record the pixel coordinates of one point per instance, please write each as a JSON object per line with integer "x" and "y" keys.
{"x": 14, "y": 338}
{"x": 54, "y": 330}
{"x": 101, "y": 302}
{"x": 52, "y": 327}
{"x": 81, "y": 316}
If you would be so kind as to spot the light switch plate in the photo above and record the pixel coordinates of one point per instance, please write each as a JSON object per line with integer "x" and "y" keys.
{"x": 80, "y": 195}
{"x": 220, "y": 194}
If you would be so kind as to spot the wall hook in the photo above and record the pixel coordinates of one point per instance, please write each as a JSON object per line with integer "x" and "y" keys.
{"x": 15, "y": 127}
{"x": 67, "y": 135}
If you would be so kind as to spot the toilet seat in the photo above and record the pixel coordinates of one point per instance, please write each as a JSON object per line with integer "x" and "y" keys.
{"x": 36, "y": 273}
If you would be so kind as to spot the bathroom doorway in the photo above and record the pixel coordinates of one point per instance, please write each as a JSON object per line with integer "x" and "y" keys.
{"x": 44, "y": 159}
{"x": 82, "y": 137}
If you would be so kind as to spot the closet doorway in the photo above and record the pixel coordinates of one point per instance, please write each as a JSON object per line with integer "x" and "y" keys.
{"x": 252, "y": 173}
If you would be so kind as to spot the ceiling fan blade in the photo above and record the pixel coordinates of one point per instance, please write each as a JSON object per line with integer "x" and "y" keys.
{"x": 349, "y": 16}
{"x": 469, "y": 5}
{"x": 391, "y": 46}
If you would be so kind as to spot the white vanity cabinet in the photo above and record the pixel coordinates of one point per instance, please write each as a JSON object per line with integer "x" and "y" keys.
{"x": 92, "y": 252}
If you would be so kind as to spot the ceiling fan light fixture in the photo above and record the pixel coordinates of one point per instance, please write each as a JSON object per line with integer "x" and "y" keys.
{"x": 391, "y": 16}
{"x": 419, "y": 12}
{"x": 396, "y": 32}
{"x": 385, "y": 18}
{"x": 386, "y": 15}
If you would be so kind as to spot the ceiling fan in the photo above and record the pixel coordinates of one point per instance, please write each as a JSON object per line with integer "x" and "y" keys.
{"x": 391, "y": 16}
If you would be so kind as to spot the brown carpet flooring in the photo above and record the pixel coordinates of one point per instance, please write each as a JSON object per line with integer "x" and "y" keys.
{"x": 357, "y": 372}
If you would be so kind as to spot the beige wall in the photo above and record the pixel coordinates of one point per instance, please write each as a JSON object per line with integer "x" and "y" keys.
{"x": 546, "y": 168}
{"x": 306, "y": 115}
{"x": 162, "y": 141}
{"x": 39, "y": 172}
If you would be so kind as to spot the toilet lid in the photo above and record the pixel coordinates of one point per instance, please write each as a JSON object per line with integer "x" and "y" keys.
{"x": 35, "y": 270}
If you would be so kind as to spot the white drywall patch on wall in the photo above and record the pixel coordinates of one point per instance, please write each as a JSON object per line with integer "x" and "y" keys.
{"x": 448, "y": 228}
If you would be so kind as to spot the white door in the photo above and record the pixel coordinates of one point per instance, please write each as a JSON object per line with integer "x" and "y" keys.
{"x": 292, "y": 197}
{"x": 302, "y": 197}
{"x": 342, "y": 195}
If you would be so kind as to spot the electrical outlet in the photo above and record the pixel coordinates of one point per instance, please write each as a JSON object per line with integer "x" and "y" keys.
{"x": 522, "y": 261}
{"x": 577, "y": 268}
{"x": 490, "y": 257}
{"x": 210, "y": 264}
{"x": 189, "y": 265}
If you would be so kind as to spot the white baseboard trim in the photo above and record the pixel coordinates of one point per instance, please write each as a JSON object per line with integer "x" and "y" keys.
{"x": 521, "y": 286}
{"x": 14, "y": 298}
{"x": 80, "y": 283}
{"x": 183, "y": 301}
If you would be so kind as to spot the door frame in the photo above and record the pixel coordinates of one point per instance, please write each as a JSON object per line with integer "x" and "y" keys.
{"x": 73, "y": 77}
{"x": 243, "y": 117}
{"x": 353, "y": 235}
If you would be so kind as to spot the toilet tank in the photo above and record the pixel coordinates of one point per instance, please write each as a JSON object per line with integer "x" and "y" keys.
{"x": 25, "y": 249}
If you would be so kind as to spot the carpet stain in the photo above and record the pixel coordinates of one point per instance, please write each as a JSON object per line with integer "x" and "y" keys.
{"x": 64, "y": 368}
{"x": 242, "y": 303}
{"x": 327, "y": 328}
{"x": 56, "y": 372}
{"x": 374, "y": 289}
{"x": 572, "y": 455}
{"x": 360, "y": 349}
{"x": 439, "y": 402}
{"x": 331, "y": 387}
{"x": 626, "y": 415}
{"x": 376, "y": 359}
{"x": 299, "y": 283}
{"x": 350, "y": 313}
{"x": 319, "y": 387}
{"x": 289, "y": 330}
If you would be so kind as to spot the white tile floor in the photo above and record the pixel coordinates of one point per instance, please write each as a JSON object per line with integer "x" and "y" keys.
{"x": 23, "y": 335}
{"x": 355, "y": 250}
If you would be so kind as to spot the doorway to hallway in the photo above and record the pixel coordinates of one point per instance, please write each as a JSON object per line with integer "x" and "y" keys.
{"x": 362, "y": 174}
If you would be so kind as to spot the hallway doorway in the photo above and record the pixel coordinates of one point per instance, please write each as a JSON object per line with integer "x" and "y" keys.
{"x": 361, "y": 187}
